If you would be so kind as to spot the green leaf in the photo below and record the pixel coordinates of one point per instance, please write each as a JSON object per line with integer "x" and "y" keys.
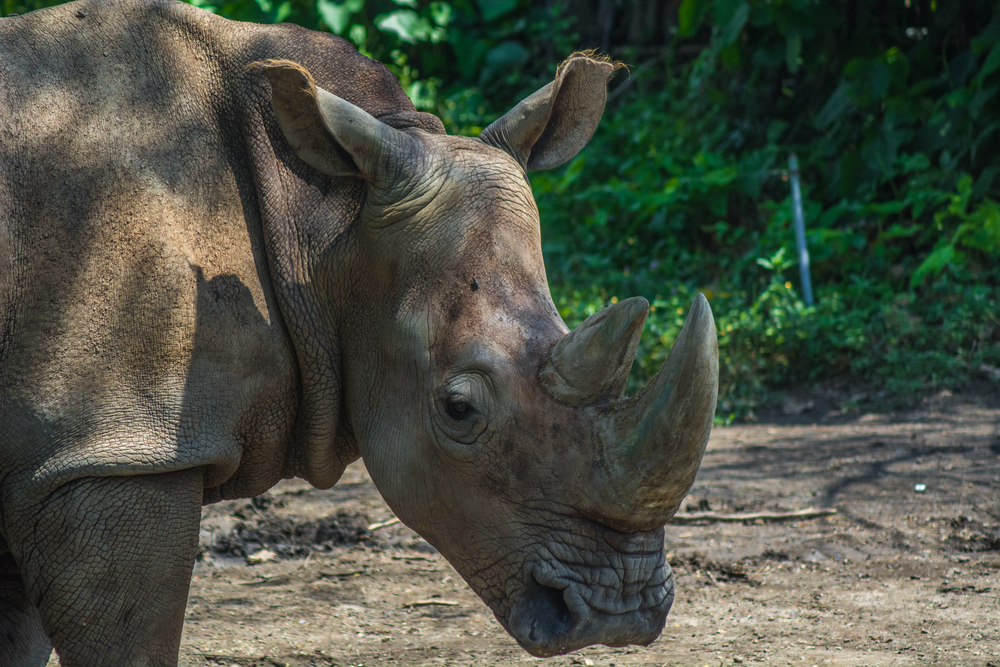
{"x": 983, "y": 136}
{"x": 723, "y": 176}
{"x": 793, "y": 51}
{"x": 943, "y": 255}
{"x": 337, "y": 15}
{"x": 835, "y": 107}
{"x": 958, "y": 98}
{"x": 887, "y": 207}
{"x": 982, "y": 230}
{"x": 494, "y": 9}
{"x": 897, "y": 231}
{"x": 964, "y": 187}
{"x": 776, "y": 262}
{"x": 982, "y": 96}
{"x": 736, "y": 23}
{"x": 283, "y": 11}
{"x": 731, "y": 55}
{"x": 442, "y": 13}
{"x": 991, "y": 63}
{"x": 506, "y": 54}
{"x": 915, "y": 162}
{"x": 408, "y": 26}
{"x": 689, "y": 16}
{"x": 984, "y": 182}
{"x": 922, "y": 198}
{"x": 358, "y": 34}
{"x": 881, "y": 80}
{"x": 989, "y": 36}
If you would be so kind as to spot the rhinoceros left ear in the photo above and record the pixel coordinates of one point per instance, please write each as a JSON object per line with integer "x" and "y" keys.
{"x": 553, "y": 124}
{"x": 327, "y": 132}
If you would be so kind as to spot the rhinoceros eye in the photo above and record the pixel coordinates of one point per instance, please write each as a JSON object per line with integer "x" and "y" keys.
{"x": 461, "y": 412}
{"x": 458, "y": 407}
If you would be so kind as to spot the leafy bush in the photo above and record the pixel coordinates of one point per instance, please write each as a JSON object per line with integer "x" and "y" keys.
{"x": 682, "y": 190}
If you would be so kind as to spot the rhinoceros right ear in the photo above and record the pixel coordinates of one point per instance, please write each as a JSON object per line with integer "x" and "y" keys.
{"x": 329, "y": 133}
{"x": 553, "y": 124}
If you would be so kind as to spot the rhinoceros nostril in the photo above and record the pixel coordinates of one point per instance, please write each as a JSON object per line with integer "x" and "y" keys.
{"x": 539, "y": 618}
{"x": 553, "y": 617}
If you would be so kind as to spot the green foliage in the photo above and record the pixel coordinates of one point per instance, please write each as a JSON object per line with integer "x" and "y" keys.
{"x": 681, "y": 191}
{"x": 12, "y": 7}
{"x": 487, "y": 51}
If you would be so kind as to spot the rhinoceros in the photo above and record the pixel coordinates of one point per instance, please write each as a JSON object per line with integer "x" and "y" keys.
{"x": 232, "y": 254}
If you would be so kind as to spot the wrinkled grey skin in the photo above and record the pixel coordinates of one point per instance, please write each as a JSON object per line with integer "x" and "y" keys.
{"x": 232, "y": 254}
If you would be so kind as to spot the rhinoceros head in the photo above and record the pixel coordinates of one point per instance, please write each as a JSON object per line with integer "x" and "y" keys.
{"x": 496, "y": 434}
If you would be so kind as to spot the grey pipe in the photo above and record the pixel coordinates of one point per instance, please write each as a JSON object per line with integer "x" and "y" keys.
{"x": 800, "y": 229}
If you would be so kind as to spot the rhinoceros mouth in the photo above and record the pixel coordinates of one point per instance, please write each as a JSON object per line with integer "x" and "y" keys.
{"x": 614, "y": 599}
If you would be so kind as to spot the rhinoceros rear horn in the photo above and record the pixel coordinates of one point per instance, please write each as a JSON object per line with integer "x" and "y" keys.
{"x": 328, "y": 133}
{"x": 552, "y": 125}
{"x": 592, "y": 362}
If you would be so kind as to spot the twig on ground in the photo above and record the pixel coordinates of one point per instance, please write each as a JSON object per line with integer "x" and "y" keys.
{"x": 428, "y": 603}
{"x": 326, "y": 574}
{"x": 383, "y": 524}
{"x": 409, "y": 557}
{"x": 715, "y": 517}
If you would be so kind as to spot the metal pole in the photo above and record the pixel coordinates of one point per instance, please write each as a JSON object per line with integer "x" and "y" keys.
{"x": 800, "y": 229}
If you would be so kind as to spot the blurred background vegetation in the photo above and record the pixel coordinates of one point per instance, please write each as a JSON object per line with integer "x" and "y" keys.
{"x": 893, "y": 107}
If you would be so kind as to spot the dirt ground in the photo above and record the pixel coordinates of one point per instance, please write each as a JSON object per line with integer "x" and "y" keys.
{"x": 906, "y": 572}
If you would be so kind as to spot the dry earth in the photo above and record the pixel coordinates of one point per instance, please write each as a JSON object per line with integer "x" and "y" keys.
{"x": 896, "y": 577}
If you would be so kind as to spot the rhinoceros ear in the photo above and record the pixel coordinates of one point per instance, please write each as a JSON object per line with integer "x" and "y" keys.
{"x": 553, "y": 124}
{"x": 329, "y": 133}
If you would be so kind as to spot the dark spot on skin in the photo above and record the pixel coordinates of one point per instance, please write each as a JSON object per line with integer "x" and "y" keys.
{"x": 555, "y": 430}
{"x": 475, "y": 284}
{"x": 455, "y": 310}
{"x": 519, "y": 467}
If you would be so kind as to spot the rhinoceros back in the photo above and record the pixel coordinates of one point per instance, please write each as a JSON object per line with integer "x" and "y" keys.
{"x": 143, "y": 329}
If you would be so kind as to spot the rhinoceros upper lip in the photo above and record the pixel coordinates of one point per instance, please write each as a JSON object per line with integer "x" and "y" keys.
{"x": 558, "y": 610}
{"x": 625, "y": 598}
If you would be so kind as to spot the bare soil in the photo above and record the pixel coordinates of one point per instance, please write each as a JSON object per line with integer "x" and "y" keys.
{"x": 906, "y": 572}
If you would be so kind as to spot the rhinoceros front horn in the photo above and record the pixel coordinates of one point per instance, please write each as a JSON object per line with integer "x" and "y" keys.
{"x": 649, "y": 447}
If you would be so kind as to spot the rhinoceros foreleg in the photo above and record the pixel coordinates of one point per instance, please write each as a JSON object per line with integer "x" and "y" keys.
{"x": 108, "y": 563}
{"x": 23, "y": 643}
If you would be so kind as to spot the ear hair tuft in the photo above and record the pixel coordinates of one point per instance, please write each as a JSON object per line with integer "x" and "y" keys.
{"x": 594, "y": 54}
{"x": 309, "y": 86}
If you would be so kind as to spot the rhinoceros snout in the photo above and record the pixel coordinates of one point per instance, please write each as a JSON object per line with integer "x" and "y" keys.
{"x": 552, "y": 617}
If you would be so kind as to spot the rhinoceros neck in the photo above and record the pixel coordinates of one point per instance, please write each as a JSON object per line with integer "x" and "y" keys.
{"x": 309, "y": 221}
